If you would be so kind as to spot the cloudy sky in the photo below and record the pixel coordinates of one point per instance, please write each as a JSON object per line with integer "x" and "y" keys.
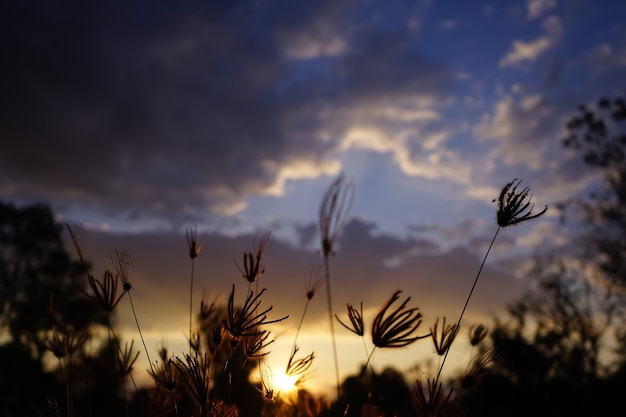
{"x": 140, "y": 119}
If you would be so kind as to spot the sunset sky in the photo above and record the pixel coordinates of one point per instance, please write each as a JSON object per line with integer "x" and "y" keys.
{"x": 139, "y": 119}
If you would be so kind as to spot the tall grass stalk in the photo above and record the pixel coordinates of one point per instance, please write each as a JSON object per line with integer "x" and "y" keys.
{"x": 194, "y": 250}
{"x": 334, "y": 209}
{"x": 514, "y": 207}
{"x": 458, "y": 323}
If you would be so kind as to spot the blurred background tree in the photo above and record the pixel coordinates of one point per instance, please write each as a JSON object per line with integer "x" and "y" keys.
{"x": 562, "y": 348}
{"x": 40, "y": 285}
{"x": 42, "y": 308}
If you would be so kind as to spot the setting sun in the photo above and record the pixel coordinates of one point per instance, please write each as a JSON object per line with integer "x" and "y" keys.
{"x": 284, "y": 383}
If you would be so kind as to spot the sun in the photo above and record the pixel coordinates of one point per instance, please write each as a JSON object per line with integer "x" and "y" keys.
{"x": 284, "y": 383}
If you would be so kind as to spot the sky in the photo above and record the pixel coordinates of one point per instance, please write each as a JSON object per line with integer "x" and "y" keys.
{"x": 141, "y": 119}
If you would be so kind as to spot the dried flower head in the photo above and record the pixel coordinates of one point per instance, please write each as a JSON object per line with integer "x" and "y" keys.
{"x": 477, "y": 332}
{"x": 217, "y": 336}
{"x": 163, "y": 351}
{"x": 444, "y": 340}
{"x": 246, "y": 321}
{"x": 253, "y": 345}
{"x": 194, "y": 341}
{"x": 434, "y": 403}
{"x": 334, "y": 210}
{"x": 208, "y": 306}
{"x": 356, "y": 319}
{"x": 104, "y": 293}
{"x": 65, "y": 343}
{"x": 397, "y": 328}
{"x": 252, "y": 267}
{"x": 123, "y": 264}
{"x": 192, "y": 242}
{"x": 126, "y": 359}
{"x": 297, "y": 367}
{"x": 267, "y": 387}
{"x": 195, "y": 372}
{"x": 165, "y": 375}
{"x": 515, "y": 207}
{"x": 314, "y": 283}
{"x": 480, "y": 364}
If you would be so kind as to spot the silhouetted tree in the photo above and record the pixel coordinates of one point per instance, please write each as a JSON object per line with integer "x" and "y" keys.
{"x": 43, "y": 308}
{"x": 562, "y": 348}
{"x": 40, "y": 285}
{"x": 370, "y": 393}
{"x": 549, "y": 351}
{"x": 598, "y": 133}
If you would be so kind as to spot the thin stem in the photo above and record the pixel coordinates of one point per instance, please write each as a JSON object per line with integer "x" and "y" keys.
{"x": 306, "y": 306}
{"x": 140, "y": 334}
{"x": 458, "y": 323}
{"x": 330, "y": 319}
{"x": 191, "y": 303}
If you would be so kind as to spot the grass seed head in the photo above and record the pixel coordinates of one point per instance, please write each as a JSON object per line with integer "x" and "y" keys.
{"x": 397, "y": 328}
{"x": 123, "y": 264}
{"x": 193, "y": 246}
{"x": 334, "y": 210}
{"x": 104, "y": 293}
{"x": 356, "y": 320}
{"x": 125, "y": 359}
{"x": 477, "y": 333}
{"x": 444, "y": 340}
{"x": 431, "y": 401}
{"x": 515, "y": 207}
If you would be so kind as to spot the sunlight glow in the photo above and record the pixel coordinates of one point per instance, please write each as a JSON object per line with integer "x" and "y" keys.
{"x": 284, "y": 383}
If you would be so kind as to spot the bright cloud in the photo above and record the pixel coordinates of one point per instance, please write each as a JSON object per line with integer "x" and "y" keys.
{"x": 537, "y": 8}
{"x": 531, "y": 50}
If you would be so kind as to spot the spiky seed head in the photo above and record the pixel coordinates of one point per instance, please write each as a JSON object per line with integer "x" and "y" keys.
{"x": 315, "y": 282}
{"x": 125, "y": 359}
{"x": 480, "y": 364}
{"x": 297, "y": 367}
{"x": 477, "y": 333}
{"x": 515, "y": 206}
{"x": 431, "y": 401}
{"x": 443, "y": 340}
{"x": 65, "y": 342}
{"x": 217, "y": 336}
{"x": 165, "y": 375}
{"x": 254, "y": 345}
{"x": 267, "y": 388}
{"x": 397, "y": 328}
{"x": 104, "y": 293}
{"x": 193, "y": 246}
{"x": 123, "y": 264}
{"x": 334, "y": 210}
{"x": 356, "y": 320}
{"x": 246, "y": 321}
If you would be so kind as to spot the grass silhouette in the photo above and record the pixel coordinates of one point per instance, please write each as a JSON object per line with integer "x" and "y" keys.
{"x": 230, "y": 338}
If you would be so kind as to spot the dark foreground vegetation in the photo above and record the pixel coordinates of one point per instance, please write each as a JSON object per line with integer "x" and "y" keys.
{"x": 561, "y": 350}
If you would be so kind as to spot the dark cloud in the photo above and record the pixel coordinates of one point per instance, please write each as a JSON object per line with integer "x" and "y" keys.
{"x": 438, "y": 280}
{"x": 170, "y": 110}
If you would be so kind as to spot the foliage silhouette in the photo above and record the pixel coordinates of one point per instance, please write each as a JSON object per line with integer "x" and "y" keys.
{"x": 562, "y": 348}
{"x": 598, "y": 134}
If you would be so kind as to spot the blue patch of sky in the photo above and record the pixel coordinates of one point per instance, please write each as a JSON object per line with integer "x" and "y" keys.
{"x": 394, "y": 200}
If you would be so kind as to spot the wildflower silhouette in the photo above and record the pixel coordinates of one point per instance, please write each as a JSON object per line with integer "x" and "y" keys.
{"x": 433, "y": 402}
{"x": 123, "y": 265}
{"x": 194, "y": 250}
{"x": 513, "y": 208}
{"x": 334, "y": 210}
